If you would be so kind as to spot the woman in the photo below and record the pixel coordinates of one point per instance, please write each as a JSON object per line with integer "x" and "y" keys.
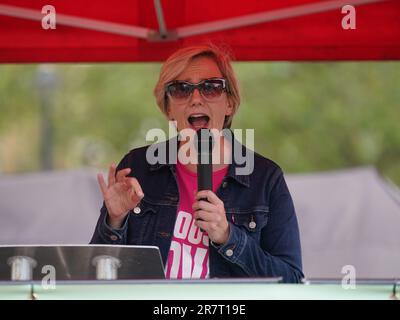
{"x": 245, "y": 226}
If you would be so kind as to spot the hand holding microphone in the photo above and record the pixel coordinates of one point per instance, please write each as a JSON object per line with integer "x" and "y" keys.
{"x": 209, "y": 210}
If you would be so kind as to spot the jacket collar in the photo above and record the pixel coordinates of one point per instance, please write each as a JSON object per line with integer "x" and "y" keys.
{"x": 232, "y": 170}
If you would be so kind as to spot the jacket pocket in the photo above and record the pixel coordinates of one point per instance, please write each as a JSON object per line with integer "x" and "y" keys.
{"x": 142, "y": 223}
{"x": 143, "y": 209}
{"x": 253, "y": 219}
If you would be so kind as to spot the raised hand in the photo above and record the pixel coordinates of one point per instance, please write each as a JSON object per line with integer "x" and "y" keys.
{"x": 121, "y": 194}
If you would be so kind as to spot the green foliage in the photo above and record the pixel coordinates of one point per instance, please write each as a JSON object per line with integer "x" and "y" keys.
{"x": 307, "y": 116}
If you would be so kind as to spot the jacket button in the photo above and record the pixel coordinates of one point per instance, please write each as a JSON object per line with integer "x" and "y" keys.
{"x": 137, "y": 210}
{"x": 113, "y": 237}
{"x": 229, "y": 253}
{"x": 224, "y": 184}
{"x": 252, "y": 225}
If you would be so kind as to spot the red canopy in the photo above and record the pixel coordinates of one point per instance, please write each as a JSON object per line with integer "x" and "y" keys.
{"x": 144, "y": 30}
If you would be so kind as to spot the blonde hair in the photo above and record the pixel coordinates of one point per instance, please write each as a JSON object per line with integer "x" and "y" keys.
{"x": 178, "y": 62}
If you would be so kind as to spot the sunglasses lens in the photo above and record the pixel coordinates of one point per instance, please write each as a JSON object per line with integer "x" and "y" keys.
{"x": 179, "y": 90}
{"x": 212, "y": 89}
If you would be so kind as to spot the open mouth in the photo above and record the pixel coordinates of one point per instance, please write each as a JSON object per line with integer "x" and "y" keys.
{"x": 198, "y": 121}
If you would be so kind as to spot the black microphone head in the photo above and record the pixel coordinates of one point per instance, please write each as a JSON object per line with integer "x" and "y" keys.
{"x": 204, "y": 141}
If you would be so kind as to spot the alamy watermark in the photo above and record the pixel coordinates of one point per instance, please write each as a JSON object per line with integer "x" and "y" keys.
{"x": 349, "y": 20}
{"x": 349, "y": 278}
{"x": 158, "y": 153}
{"x": 49, "y": 20}
{"x": 49, "y": 280}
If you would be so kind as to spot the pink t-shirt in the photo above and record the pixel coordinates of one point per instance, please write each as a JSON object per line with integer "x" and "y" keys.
{"x": 188, "y": 254}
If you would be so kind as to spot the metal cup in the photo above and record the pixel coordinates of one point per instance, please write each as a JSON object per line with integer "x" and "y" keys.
{"x": 21, "y": 268}
{"x": 106, "y": 267}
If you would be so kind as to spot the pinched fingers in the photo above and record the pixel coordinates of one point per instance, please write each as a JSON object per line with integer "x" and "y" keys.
{"x": 121, "y": 174}
{"x": 136, "y": 188}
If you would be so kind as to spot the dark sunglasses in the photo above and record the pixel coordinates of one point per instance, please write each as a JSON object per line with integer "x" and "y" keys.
{"x": 181, "y": 91}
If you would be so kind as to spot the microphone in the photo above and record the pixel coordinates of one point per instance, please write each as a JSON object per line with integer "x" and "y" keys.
{"x": 204, "y": 146}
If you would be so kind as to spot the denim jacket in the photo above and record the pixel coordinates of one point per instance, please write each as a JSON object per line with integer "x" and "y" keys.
{"x": 264, "y": 236}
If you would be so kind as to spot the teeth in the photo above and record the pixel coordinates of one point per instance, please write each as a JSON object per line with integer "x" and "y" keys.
{"x": 198, "y": 115}
{"x": 194, "y": 116}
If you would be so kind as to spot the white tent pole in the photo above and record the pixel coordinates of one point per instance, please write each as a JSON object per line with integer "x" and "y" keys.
{"x": 267, "y": 16}
{"x": 84, "y": 23}
{"x": 160, "y": 19}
